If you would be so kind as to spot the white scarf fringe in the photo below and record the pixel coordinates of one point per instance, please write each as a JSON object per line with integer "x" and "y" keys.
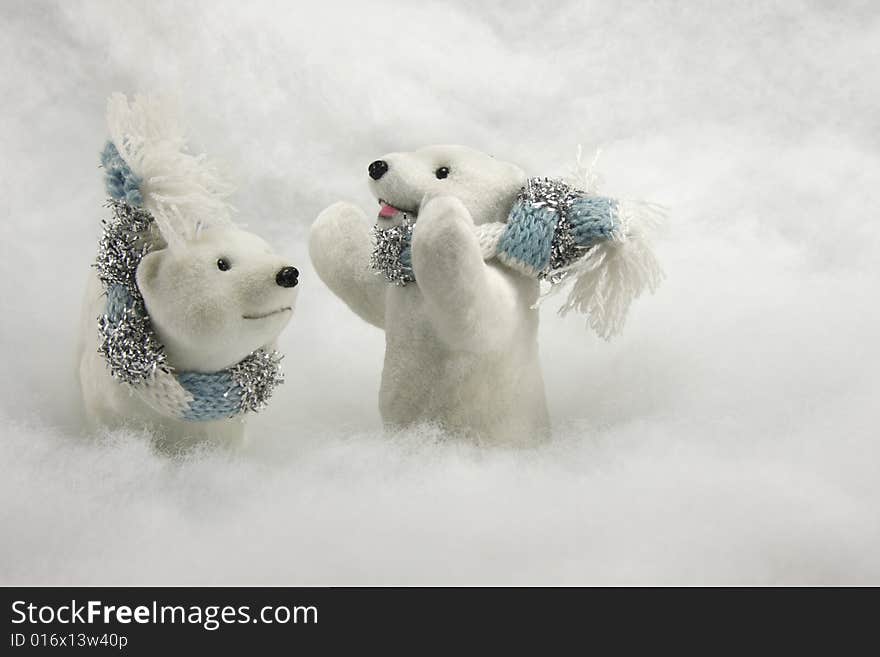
{"x": 182, "y": 191}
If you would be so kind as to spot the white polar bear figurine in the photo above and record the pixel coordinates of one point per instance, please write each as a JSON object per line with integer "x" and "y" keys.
{"x": 183, "y": 308}
{"x": 207, "y": 318}
{"x": 461, "y": 343}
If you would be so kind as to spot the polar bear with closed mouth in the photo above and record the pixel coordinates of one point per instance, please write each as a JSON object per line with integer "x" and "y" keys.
{"x": 183, "y": 308}
{"x": 461, "y": 337}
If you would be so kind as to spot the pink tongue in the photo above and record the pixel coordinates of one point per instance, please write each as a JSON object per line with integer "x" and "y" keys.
{"x": 387, "y": 210}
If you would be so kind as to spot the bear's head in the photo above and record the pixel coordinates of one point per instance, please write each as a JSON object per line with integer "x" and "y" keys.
{"x": 216, "y": 298}
{"x": 403, "y": 181}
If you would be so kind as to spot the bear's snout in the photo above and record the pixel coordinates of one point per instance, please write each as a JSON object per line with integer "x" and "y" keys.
{"x": 378, "y": 169}
{"x": 287, "y": 276}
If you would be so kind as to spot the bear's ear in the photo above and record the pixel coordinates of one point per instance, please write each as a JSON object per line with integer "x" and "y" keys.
{"x": 148, "y": 271}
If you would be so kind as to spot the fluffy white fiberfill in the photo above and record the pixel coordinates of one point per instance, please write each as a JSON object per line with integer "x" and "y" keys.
{"x": 728, "y": 435}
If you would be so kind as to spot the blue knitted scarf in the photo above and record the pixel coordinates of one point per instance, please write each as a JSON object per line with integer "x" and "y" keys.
{"x": 560, "y": 234}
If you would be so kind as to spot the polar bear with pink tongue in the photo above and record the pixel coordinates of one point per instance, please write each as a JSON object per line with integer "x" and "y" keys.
{"x": 451, "y": 270}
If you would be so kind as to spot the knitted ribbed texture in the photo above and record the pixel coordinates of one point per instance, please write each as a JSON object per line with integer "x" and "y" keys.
{"x": 488, "y": 236}
{"x": 164, "y": 394}
{"x": 214, "y": 395}
{"x": 593, "y": 219}
{"x": 121, "y": 183}
{"x": 527, "y": 240}
{"x": 553, "y": 224}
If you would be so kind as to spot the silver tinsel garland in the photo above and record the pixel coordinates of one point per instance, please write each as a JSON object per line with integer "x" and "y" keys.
{"x": 130, "y": 346}
{"x": 390, "y": 245}
{"x": 128, "y": 342}
{"x": 559, "y": 196}
{"x": 256, "y": 377}
{"x": 126, "y": 238}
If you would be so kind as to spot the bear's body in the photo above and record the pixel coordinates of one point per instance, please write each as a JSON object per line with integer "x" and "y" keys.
{"x": 461, "y": 342}
{"x": 207, "y": 319}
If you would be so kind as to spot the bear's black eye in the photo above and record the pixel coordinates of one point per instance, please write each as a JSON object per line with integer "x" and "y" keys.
{"x": 223, "y": 264}
{"x": 442, "y": 172}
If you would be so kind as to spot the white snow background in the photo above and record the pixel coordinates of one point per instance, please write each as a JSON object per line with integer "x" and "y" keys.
{"x": 730, "y": 435}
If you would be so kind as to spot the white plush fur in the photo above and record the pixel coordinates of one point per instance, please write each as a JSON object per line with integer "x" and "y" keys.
{"x": 461, "y": 348}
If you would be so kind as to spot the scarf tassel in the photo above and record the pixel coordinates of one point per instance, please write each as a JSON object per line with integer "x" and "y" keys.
{"x": 614, "y": 272}
{"x": 595, "y": 247}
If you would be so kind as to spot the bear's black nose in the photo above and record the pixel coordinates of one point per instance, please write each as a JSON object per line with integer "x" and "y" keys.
{"x": 287, "y": 277}
{"x": 378, "y": 169}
